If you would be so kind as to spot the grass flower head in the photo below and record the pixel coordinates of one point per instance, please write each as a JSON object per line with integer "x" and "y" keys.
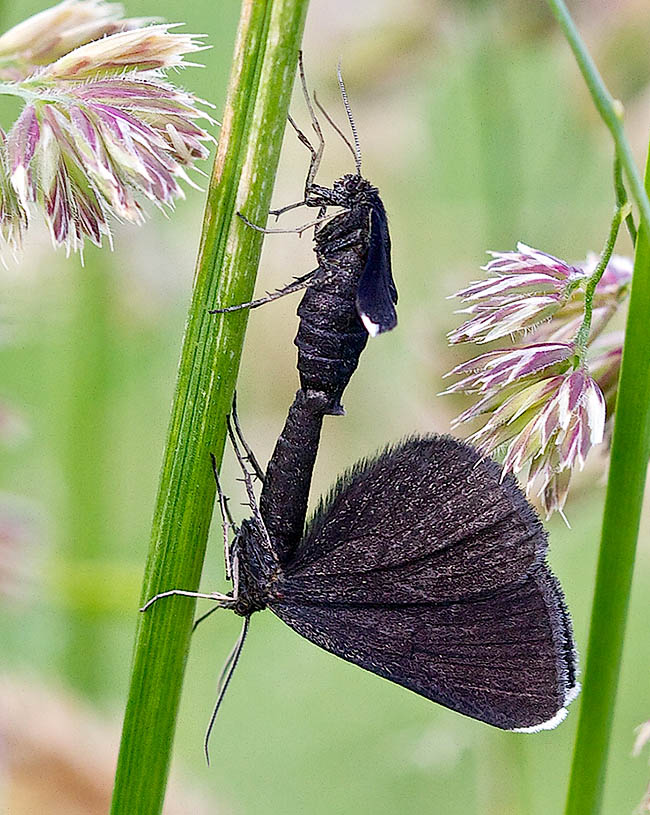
{"x": 522, "y": 290}
{"x": 102, "y": 127}
{"x": 545, "y": 404}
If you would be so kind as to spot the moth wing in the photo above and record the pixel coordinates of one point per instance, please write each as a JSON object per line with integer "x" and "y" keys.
{"x": 425, "y": 567}
{"x": 377, "y": 295}
{"x": 501, "y": 658}
{"x": 429, "y": 519}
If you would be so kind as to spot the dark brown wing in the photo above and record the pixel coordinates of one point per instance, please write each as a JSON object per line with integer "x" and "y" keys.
{"x": 427, "y": 569}
{"x": 500, "y": 659}
{"x": 427, "y": 519}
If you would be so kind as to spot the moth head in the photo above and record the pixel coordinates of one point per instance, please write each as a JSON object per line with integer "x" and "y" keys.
{"x": 354, "y": 188}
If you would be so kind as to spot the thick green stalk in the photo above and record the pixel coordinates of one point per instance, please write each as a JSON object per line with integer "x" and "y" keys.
{"x": 254, "y": 120}
{"x": 626, "y": 481}
{"x": 625, "y": 487}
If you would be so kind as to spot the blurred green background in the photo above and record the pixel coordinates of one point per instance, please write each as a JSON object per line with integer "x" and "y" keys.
{"x": 478, "y": 132}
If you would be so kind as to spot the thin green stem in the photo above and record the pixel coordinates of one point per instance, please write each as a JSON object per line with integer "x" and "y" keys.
{"x": 610, "y": 109}
{"x": 41, "y": 94}
{"x": 254, "y": 121}
{"x": 622, "y": 199}
{"x": 583, "y": 333}
{"x": 14, "y": 89}
{"x": 623, "y": 505}
{"x": 626, "y": 482}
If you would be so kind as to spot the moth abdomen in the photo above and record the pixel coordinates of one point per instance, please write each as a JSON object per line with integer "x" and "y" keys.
{"x": 331, "y": 336}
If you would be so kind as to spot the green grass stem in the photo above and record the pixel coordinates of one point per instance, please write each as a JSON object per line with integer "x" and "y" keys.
{"x": 623, "y": 505}
{"x": 627, "y": 476}
{"x": 621, "y": 198}
{"x": 254, "y": 120}
{"x": 610, "y": 109}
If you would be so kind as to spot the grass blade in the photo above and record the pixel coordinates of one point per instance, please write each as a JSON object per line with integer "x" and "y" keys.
{"x": 254, "y": 121}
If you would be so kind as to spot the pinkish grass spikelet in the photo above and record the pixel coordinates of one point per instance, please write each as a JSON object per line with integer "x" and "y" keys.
{"x": 13, "y": 217}
{"x": 547, "y": 419}
{"x": 152, "y": 48}
{"x": 522, "y": 290}
{"x": 102, "y": 126}
{"x": 48, "y": 35}
{"x": 548, "y": 403}
{"x": 612, "y": 289}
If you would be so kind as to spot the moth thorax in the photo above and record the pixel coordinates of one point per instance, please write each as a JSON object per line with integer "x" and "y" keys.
{"x": 255, "y": 567}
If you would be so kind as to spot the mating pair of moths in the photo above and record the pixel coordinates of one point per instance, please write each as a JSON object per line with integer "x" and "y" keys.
{"x": 423, "y": 565}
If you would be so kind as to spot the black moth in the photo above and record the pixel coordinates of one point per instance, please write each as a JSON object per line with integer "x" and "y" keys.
{"x": 423, "y": 565}
{"x": 351, "y": 294}
{"x": 427, "y": 568}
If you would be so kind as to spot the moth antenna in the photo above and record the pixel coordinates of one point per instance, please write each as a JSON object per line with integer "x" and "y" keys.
{"x": 353, "y": 127}
{"x": 335, "y": 126}
{"x": 224, "y": 680}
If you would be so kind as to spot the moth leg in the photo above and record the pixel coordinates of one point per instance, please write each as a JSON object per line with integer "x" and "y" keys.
{"x": 299, "y": 283}
{"x": 324, "y": 221}
{"x": 335, "y": 126}
{"x": 250, "y": 455}
{"x": 250, "y": 491}
{"x": 203, "y": 617}
{"x": 316, "y": 153}
{"x": 277, "y": 212}
{"x": 311, "y": 172}
{"x": 298, "y": 229}
{"x": 227, "y": 522}
{"x": 241, "y": 458}
{"x": 217, "y": 597}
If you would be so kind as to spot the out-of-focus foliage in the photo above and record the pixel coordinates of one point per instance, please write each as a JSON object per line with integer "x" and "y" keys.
{"x": 476, "y": 128}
